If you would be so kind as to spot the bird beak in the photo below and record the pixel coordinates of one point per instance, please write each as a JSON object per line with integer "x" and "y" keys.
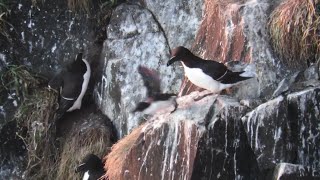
{"x": 172, "y": 60}
{"x": 81, "y": 167}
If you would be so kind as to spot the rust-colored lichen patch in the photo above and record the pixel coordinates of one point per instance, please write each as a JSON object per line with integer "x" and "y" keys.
{"x": 220, "y": 36}
{"x": 163, "y": 151}
{"x": 117, "y": 157}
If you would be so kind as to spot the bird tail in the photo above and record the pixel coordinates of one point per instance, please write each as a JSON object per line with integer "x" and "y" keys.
{"x": 249, "y": 71}
{"x": 241, "y": 76}
{"x": 233, "y": 77}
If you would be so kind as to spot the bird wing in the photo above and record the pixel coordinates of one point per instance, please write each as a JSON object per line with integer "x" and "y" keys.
{"x": 220, "y": 72}
{"x": 151, "y": 80}
{"x": 57, "y": 81}
{"x": 213, "y": 68}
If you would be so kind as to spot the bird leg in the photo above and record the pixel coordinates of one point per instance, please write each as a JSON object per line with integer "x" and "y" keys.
{"x": 175, "y": 107}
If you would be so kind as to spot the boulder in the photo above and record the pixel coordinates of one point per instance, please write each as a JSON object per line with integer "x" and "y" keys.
{"x": 286, "y": 129}
{"x": 134, "y": 38}
{"x": 203, "y": 139}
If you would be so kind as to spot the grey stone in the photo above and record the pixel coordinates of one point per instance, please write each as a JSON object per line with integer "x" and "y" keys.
{"x": 286, "y": 129}
{"x": 134, "y": 39}
{"x": 287, "y": 171}
{"x": 179, "y": 19}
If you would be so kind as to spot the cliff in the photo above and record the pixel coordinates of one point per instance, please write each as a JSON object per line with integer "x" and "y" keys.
{"x": 266, "y": 127}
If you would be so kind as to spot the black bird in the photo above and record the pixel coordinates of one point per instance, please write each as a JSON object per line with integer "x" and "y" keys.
{"x": 156, "y": 100}
{"x": 92, "y": 167}
{"x": 210, "y": 75}
{"x": 72, "y": 83}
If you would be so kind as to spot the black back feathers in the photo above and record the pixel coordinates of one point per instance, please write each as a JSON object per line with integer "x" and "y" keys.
{"x": 93, "y": 165}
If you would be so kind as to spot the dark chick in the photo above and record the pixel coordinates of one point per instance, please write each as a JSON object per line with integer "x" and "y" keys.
{"x": 92, "y": 167}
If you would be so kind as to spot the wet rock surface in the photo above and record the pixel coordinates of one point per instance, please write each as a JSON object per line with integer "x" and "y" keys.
{"x": 287, "y": 171}
{"x": 46, "y": 35}
{"x": 218, "y": 138}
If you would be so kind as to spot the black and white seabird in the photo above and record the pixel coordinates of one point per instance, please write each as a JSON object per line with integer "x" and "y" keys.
{"x": 72, "y": 83}
{"x": 209, "y": 75}
{"x": 92, "y": 167}
{"x": 156, "y": 100}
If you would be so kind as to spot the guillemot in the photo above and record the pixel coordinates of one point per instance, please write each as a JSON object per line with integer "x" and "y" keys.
{"x": 156, "y": 100}
{"x": 72, "y": 83}
{"x": 207, "y": 74}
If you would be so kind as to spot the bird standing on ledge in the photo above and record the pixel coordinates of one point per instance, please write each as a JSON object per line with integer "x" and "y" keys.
{"x": 72, "y": 83}
{"x": 209, "y": 75}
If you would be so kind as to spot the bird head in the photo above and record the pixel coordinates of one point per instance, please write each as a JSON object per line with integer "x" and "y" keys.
{"x": 79, "y": 56}
{"x": 179, "y": 54}
{"x": 90, "y": 162}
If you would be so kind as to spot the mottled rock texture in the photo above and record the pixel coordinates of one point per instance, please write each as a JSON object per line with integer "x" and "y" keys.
{"x": 134, "y": 38}
{"x": 178, "y": 19}
{"x": 265, "y": 128}
{"x": 287, "y": 171}
{"x": 46, "y": 35}
{"x": 218, "y": 138}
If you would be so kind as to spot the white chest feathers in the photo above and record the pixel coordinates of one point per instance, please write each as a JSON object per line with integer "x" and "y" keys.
{"x": 86, "y": 175}
{"x": 159, "y": 106}
{"x": 86, "y": 78}
{"x": 200, "y": 79}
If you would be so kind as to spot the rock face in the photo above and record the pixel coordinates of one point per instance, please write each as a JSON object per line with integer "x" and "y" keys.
{"x": 134, "y": 38}
{"x": 46, "y": 35}
{"x": 43, "y": 37}
{"x": 293, "y": 122}
{"x": 266, "y": 130}
{"x": 214, "y": 138}
{"x": 179, "y": 19}
{"x": 292, "y": 171}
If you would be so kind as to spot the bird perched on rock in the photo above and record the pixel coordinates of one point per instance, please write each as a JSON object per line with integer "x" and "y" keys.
{"x": 72, "y": 83}
{"x": 92, "y": 167}
{"x": 210, "y": 75}
{"x": 156, "y": 100}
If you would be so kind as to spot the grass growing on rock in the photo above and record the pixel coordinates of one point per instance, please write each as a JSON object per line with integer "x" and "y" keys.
{"x": 3, "y": 13}
{"x": 84, "y": 139}
{"x": 294, "y": 30}
{"x": 17, "y": 79}
{"x": 36, "y": 115}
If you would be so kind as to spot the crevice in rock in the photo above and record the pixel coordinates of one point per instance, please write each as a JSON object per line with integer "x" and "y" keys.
{"x": 159, "y": 25}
